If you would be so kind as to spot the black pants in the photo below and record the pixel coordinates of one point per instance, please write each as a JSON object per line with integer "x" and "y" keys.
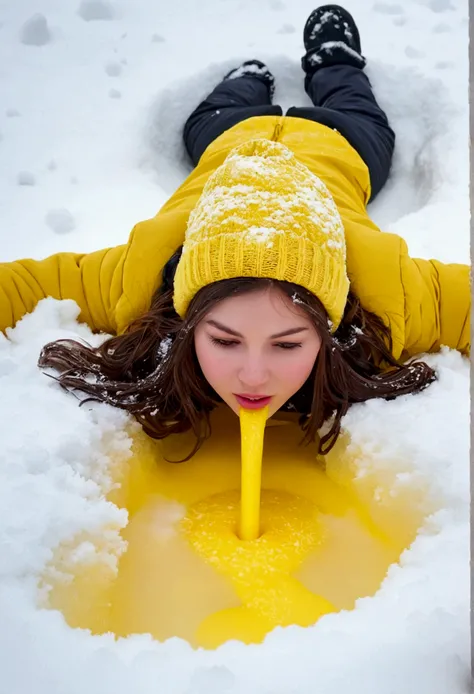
{"x": 342, "y": 98}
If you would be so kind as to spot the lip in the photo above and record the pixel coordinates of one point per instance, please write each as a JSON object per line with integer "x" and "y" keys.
{"x": 253, "y": 404}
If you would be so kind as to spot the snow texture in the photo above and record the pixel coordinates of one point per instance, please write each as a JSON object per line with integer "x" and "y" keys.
{"x": 303, "y": 197}
{"x": 116, "y": 160}
{"x": 286, "y": 29}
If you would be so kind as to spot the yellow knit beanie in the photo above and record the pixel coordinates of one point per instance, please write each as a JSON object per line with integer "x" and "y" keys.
{"x": 262, "y": 213}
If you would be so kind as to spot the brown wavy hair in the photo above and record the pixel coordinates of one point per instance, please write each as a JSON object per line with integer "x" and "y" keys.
{"x": 152, "y": 370}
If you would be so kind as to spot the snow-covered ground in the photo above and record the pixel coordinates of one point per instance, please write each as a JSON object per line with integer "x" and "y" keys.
{"x": 92, "y": 100}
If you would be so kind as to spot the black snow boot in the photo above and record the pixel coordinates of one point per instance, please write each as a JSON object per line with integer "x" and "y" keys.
{"x": 254, "y": 68}
{"x": 330, "y": 37}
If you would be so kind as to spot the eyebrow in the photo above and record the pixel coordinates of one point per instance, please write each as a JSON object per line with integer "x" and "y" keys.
{"x": 220, "y": 326}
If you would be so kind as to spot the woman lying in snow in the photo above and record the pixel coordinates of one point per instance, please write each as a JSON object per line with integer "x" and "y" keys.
{"x": 263, "y": 276}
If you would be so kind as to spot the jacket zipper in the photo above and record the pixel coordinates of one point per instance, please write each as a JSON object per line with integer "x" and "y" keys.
{"x": 278, "y": 129}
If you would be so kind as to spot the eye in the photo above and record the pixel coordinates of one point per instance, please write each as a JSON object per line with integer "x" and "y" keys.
{"x": 288, "y": 345}
{"x": 223, "y": 343}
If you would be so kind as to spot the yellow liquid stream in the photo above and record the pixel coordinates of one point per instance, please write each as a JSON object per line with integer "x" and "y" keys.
{"x": 258, "y": 560}
{"x": 324, "y": 536}
{"x": 252, "y": 431}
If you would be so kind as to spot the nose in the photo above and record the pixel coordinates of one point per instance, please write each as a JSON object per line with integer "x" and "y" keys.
{"x": 254, "y": 371}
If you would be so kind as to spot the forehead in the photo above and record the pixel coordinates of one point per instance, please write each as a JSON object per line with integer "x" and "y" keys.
{"x": 262, "y": 305}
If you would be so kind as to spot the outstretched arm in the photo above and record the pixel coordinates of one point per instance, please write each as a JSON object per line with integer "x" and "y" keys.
{"x": 437, "y": 305}
{"x": 93, "y": 280}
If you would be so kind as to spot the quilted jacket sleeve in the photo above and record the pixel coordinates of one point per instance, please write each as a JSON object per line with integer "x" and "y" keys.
{"x": 93, "y": 280}
{"x": 112, "y": 286}
{"x": 437, "y": 305}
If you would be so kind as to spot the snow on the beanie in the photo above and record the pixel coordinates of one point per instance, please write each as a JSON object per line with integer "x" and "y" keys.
{"x": 261, "y": 191}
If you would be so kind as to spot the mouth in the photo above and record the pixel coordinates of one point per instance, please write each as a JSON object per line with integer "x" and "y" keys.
{"x": 253, "y": 403}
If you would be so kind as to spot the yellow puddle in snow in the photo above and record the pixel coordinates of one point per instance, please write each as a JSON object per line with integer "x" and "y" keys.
{"x": 327, "y": 538}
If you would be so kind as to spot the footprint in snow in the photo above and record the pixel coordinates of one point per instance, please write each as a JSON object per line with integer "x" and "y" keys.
{"x": 277, "y": 5}
{"x": 95, "y": 10}
{"x": 7, "y": 367}
{"x": 113, "y": 69}
{"x": 157, "y": 38}
{"x": 286, "y": 29}
{"x": 26, "y": 178}
{"x": 441, "y": 28}
{"x": 440, "y": 5}
{"x": 35, "y": 31}
{"x": 60, "y": 221}
{"x": 12, "y": 113}
{"x": 413, "y": 53}
{"x": 387, "y": 8}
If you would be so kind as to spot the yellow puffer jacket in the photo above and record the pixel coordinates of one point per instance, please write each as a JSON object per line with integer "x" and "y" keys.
{"x": 425, "y": 303}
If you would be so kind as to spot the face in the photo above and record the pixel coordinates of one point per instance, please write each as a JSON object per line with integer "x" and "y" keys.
{"x": 256, "y": 344}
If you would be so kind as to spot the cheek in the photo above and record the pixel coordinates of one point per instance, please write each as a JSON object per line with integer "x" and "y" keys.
{"x": 298, "y": 370}
{"x": 214, "y": 368}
